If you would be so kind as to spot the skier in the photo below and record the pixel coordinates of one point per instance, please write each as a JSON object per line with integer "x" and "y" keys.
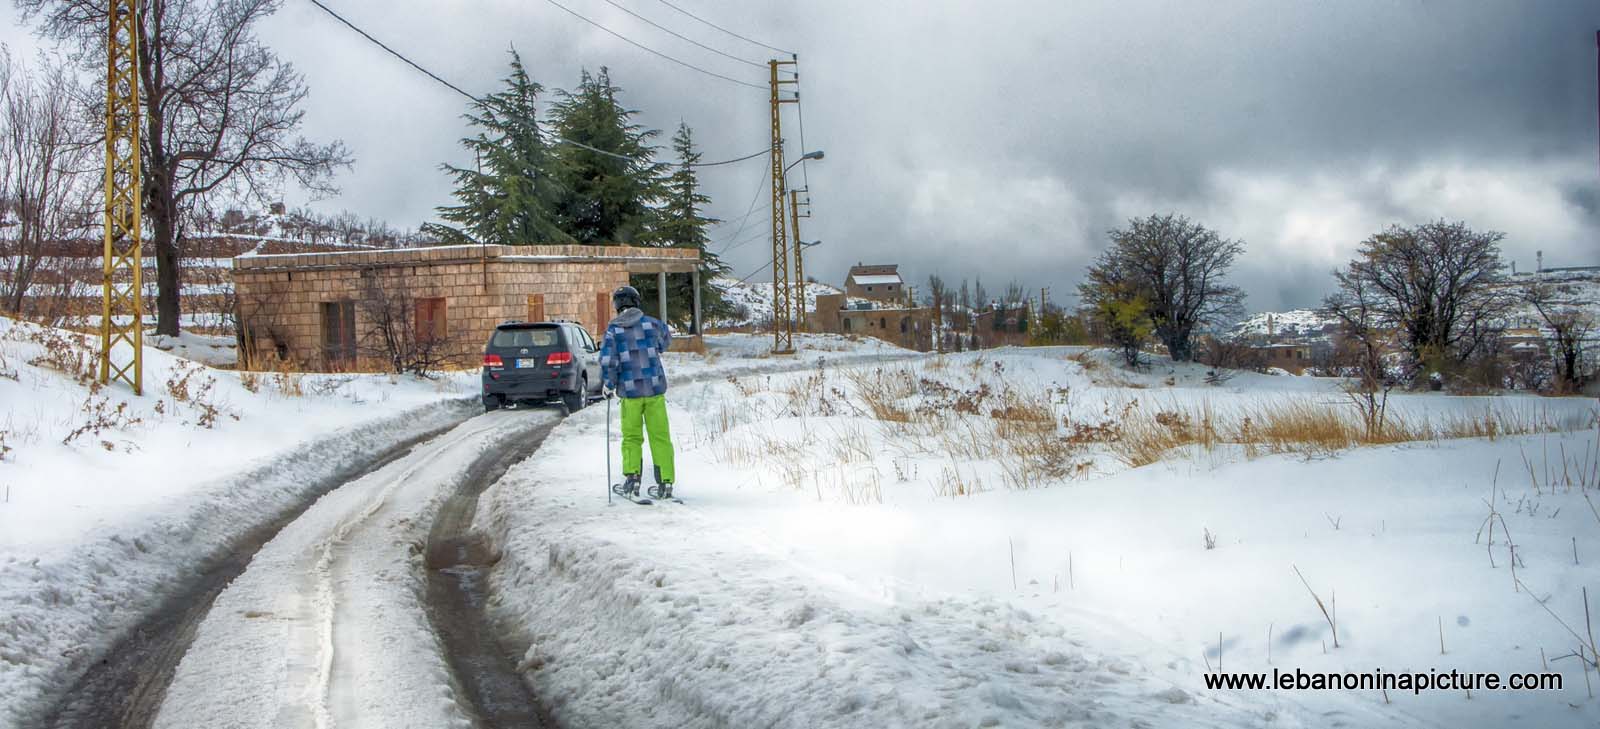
{"x": 630, "y": 365}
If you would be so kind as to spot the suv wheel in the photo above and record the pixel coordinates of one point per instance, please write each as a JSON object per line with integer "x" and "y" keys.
{"x": 575, "y": 400}
{"x": 492, "y": 403}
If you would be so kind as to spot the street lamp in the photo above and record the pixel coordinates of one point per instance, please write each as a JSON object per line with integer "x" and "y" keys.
{"x": 815, "y": 154}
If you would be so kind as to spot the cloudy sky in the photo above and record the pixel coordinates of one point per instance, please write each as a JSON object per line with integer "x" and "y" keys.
{"x": 1002, "y": 139}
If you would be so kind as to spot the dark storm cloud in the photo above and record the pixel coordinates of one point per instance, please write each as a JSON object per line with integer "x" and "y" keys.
{"x": 1001, "y": 139}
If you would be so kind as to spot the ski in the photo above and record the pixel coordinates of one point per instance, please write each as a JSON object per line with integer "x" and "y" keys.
{"x": 616, "y": 488}
{"x": 655, "y": 493}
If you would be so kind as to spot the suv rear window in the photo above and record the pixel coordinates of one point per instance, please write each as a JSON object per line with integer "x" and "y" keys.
{"x": 542, "y": 337}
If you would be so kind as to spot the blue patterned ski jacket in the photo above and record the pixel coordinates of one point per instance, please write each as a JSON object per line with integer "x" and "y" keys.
{"x": 630, "y": 354}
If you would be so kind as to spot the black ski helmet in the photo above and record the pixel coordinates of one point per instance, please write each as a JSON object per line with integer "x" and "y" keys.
{"x": 625, "y": 297}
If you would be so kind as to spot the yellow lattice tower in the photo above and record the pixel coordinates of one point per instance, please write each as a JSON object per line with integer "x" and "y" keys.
{"x": 782, "y": 311}
{"x": 799, "y": 261}
{"x": 122, "y": 309}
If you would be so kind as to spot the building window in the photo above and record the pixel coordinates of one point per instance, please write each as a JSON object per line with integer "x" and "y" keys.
{"x": 902, "y": 326}
{"x": 883, "y": 322}
{"x": 339, "y": 334}
{"x": 869, "y": 288}
{"x": 847, "y": 324}
{"x": 430, "y": 320}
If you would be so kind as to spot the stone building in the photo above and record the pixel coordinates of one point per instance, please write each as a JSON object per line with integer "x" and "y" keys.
{"x": 346, "y": 311}
{"x": 909, "y": 327}
{"x": 1293, "y": 358}
{"x": 880, "y": 283}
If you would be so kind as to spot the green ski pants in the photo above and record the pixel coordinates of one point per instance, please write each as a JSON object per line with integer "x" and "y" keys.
{"x": 638, "y": 415}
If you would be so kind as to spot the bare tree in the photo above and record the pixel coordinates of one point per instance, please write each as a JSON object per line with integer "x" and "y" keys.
{"x": 46, "y": 150}
{"x": 1436, "y": 284}
{"x": 1366, "y": 330}
{"x": 1567, "y": 325}
{"x": 940, "y": 298}
{"x": 1177, "y": 267}
{"x": 222, "y": 113}
{"x": 395, "y": 331}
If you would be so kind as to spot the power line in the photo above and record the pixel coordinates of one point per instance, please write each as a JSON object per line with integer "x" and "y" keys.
{"x": 805, "y": 174}
{"x": 757, "y": 236}
{"x": 752, "y": 155}
{"x": 675, "y": 34}
{"x": 644, "y": 47}
{"x": 753, "y": 200}
{"x": 392, "y": 51}
{"x": 725, "y": 30}
{"x": 764, "y": 267}
{"x": 475, "y": 99}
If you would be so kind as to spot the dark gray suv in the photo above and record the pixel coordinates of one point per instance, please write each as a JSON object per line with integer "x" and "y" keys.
{"x": 538, "y": 362}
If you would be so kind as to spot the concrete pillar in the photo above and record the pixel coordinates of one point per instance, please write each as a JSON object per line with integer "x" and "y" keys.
{"x": 661, "y": 295}
{"x": 694, "y": 279}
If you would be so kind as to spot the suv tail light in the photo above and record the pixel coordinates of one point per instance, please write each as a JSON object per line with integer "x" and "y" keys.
{"x": 559, "y": 358}
{"x": 493, "y": 360}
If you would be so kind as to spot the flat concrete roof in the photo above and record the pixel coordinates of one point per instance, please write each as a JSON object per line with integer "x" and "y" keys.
{"x": 634, "y": 259}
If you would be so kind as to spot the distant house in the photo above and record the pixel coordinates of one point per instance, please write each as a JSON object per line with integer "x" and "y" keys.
{"x": 879, "y": 282}
{"x": 1293, "y": 358}
{"x": 875, "y": 304}
{"x": 1000, "y": 325}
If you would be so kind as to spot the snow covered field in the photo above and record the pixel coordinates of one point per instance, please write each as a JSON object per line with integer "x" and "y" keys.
{"x": 872, "y": 537}
{"x": 886, "y": 545}
{"x": 105, "y": 498}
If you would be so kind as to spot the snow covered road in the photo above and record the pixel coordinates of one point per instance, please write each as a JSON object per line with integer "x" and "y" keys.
{"x": 329, "y": 625}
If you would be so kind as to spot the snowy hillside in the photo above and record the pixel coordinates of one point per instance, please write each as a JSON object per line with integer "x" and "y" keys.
{"x": 1293, "y": 324}
{"x": 752, "y": 301}
{"x": 1580, "y": 288}
{"x": 995, "y": 540}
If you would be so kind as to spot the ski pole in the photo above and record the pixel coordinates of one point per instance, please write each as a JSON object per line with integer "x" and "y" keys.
{"x": 608, "y": 450}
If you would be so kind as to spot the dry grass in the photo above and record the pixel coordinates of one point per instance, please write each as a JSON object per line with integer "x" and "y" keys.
{"x": 689, "y": 343}
{"x": 972, "y": 424}
{"x": 882, "y": 391}
{"x": 73, "y": 355}
{"x": 1144, "y": 436}
{"x": 952, "y": 483}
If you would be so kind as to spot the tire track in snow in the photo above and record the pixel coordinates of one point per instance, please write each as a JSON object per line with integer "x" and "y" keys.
{"x": 328, "y": 626}
{"x": 125, "y": 688}
{"x": 325, "y": 695}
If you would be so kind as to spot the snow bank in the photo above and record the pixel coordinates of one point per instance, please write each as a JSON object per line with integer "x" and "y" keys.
{"x": 95, "y": 530}
{"x": 816, "y": 576}
{"x": 207, "y": 349}
{"x": 669, "y": 616}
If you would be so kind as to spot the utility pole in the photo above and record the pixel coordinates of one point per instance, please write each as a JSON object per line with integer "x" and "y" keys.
{"x": 782, "y": 306}
{"x": 799, "y": 260}
{"x": 122, "y": 265}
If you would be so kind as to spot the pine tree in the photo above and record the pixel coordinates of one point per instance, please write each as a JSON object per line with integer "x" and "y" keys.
{"x": 510, "y": 196}
{"x": 680, "y": 224}
{"x": 604, "y": 199}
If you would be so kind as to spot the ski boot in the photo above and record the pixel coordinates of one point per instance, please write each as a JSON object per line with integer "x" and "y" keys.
{"x": 661, "y": 490}
{"x": 629, "y": 488}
